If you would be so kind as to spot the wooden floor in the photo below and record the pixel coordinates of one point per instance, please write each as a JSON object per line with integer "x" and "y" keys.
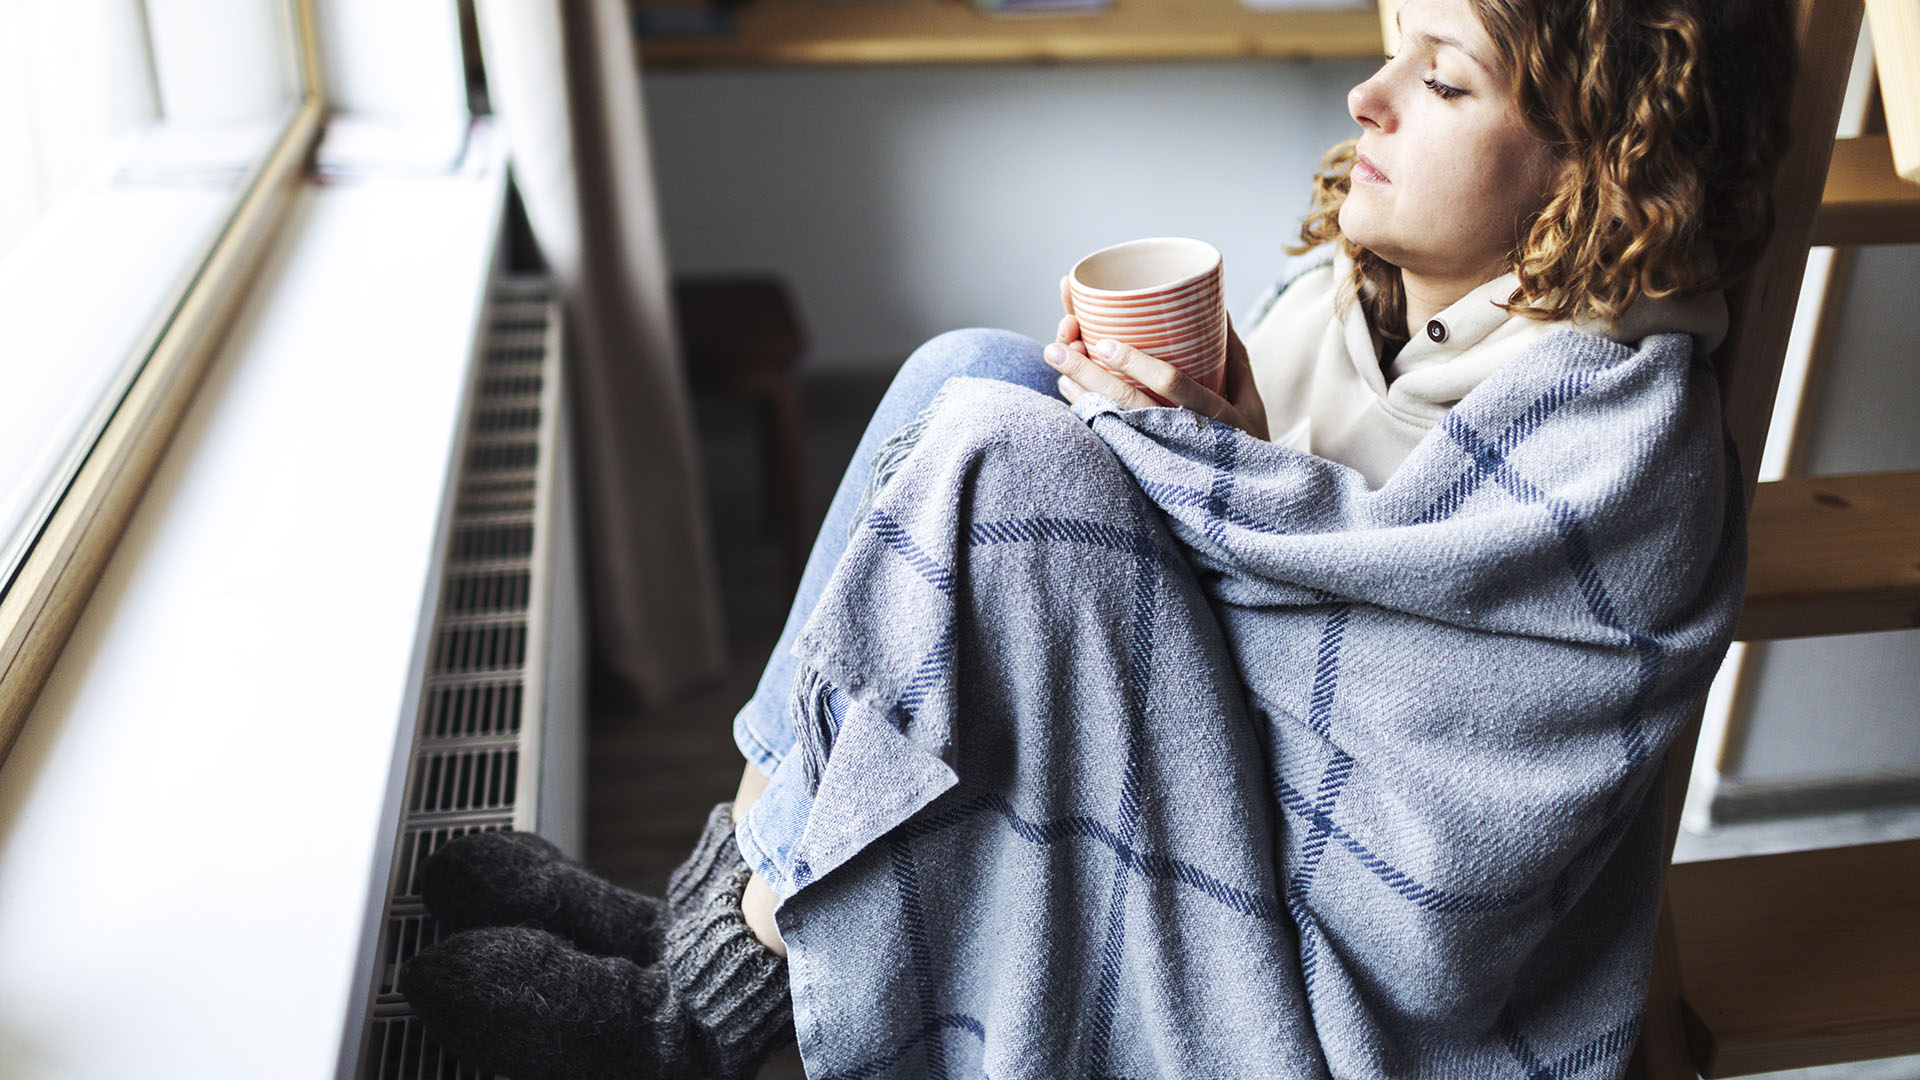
{"x": 653, "y": 775}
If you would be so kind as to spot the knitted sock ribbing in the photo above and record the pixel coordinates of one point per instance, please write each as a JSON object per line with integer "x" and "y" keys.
{"x": 734, "y": 990}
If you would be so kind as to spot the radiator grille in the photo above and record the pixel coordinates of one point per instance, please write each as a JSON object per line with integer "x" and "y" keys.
{"x": 462, "y": 781}
{"x": 497, "y": 494}
{"x": 484, "y": 543}
{"x": 487, "y": 592}
{"x": 472, "y": 709}
{"x": 511, "y": 386}
{"x": 464, "y": 648}
{"x": 490, "y": 457}
{"x": 513, "y": 354}
{"x": 399, "y": 1050}
{"x": 496, "y": 421}
{"x": 472, "y": 768}
{"x": 416, "y": 846}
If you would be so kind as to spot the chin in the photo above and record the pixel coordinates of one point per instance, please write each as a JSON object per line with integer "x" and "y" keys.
{"x": 1360, "y": 226}
{"x": 1353, "y": 224}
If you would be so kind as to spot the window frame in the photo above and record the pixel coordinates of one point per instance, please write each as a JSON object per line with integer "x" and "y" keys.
{"x": 58, "y": 573}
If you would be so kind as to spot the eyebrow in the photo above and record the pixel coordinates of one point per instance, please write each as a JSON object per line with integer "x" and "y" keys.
{"x": 1432, "y": 40}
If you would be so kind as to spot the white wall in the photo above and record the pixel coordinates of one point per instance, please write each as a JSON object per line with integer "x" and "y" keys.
{"x": 902, "y": 202}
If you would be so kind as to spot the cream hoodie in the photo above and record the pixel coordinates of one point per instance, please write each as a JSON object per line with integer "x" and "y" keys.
{"x": 1319, "y": 375}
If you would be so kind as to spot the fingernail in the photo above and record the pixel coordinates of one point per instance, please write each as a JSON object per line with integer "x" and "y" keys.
{"x": 1054, "y": 355}
{"x": 1108, "y": 349}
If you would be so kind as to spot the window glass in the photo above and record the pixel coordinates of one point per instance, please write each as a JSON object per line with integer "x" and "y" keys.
{"x": 129, "y": 132}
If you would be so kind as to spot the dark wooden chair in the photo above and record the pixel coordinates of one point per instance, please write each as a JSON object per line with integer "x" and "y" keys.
{"x": 741, "y": 336}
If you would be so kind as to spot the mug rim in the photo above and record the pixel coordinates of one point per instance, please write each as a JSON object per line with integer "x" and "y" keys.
{"x": 1207, "y": 252}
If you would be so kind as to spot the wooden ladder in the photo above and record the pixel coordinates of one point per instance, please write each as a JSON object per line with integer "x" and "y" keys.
{"x": 1813, "y": 957}
{"x": 1810, "y": 957}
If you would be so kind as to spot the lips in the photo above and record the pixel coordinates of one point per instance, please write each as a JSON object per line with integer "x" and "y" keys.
{"x": 1366, "y": 171}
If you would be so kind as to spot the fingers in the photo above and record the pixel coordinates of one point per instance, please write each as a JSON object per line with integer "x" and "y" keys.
{"x": 1068, "y": 332}
{"x": 1238, "y": 368}
{"x": 1066, "y": 295}
{"x": 1250, "y": 412}
{"x": 1164, "y": 383}
{"x": 1135, "y": 380}
{"x": 1079, "y": 374}
{"x": 1159, "y": 383}
{"x": 1070, "y": 390}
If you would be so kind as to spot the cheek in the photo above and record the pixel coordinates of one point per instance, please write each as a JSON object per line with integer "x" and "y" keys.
{"x": 1531, "y": 173}
{"x": 1510, "y": 183}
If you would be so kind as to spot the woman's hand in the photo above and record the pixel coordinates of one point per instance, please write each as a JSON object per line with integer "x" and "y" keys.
{"x": 1165, "y": 384}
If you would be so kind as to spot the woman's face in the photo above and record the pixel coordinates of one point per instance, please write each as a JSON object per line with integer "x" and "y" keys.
{"x": 1446, "y": 170}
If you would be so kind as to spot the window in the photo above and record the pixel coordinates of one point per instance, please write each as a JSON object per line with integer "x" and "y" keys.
{"x": 147, "y": 148}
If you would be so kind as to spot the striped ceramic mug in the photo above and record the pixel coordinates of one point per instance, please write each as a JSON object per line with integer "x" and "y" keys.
{"x": 1161, "y": 295}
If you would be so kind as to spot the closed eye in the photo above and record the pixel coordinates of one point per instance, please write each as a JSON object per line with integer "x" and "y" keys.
{"x": 1447, "y": 93}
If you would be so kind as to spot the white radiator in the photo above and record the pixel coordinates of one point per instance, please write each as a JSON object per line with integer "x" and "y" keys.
{"x": 498, "y": 735}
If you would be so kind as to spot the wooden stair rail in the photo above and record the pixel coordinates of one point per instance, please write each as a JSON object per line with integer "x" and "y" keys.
{"x": 1811, "y": 957}
{"x": 1833, "y": 555}
{"x": 1761, "y": 308}
{"x": 1896, "y": 51}
{"x": 1866, "y": 201}
{"x": 1802, "y": 958}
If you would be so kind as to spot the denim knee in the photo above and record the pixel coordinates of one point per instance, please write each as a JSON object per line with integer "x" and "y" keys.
{"x": 982, "y": 353}
{"x": 761, "y": 729}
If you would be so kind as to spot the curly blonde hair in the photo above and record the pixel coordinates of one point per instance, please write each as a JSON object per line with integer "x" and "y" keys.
{"x": 1669, "y": 117}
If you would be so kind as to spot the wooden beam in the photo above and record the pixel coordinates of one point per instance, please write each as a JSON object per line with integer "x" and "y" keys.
{"x": 1800, "y": 959}
{"x": 1762, "y": 305}
{"x": 1833, "y": 555}
{"x": 810, "y": 32}
{"x": 1896, "y": 55}
{"x": 1865, "y": 201}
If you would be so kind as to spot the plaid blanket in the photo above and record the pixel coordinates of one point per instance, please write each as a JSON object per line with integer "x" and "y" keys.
{"x": 1141, "y": 747}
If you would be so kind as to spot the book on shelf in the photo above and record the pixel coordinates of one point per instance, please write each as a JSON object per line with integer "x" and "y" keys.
{"x": 1041, "y": 7}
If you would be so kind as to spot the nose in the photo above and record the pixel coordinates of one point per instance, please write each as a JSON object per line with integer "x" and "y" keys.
{"x": 1368, "y": 104}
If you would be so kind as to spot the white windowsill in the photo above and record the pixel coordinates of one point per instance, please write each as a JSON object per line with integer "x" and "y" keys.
{"x": 191, "y": 820}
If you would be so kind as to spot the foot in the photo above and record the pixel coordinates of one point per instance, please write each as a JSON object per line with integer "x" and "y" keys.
{"x": 523, "y": 1003}
{"x": 518, "y": 879}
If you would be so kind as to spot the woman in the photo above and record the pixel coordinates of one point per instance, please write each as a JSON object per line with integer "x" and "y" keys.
{"x": 1125, "y": 740}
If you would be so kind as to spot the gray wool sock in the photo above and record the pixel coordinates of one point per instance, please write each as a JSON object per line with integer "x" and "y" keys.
{"x": 518, "y": 879}
{"x": 733, "y": 989}
{"x": 521, "y": 1002}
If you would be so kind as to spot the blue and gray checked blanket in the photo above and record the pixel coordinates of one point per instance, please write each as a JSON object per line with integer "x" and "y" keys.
{"x": 1144, "y": 748}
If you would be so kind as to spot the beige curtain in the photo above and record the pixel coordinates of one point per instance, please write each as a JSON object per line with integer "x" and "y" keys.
{"x": 564, "y": 81}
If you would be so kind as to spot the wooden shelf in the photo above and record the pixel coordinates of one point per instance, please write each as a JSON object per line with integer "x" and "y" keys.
{"x": 1833, "y": 555}
{"x": 1800, "y": 959}
{"x": 1865, "y": 201}
{"x": 781, "y": 32}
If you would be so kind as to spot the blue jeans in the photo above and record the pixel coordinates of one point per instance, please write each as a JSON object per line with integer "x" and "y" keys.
{"x": 763, "y": 729}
